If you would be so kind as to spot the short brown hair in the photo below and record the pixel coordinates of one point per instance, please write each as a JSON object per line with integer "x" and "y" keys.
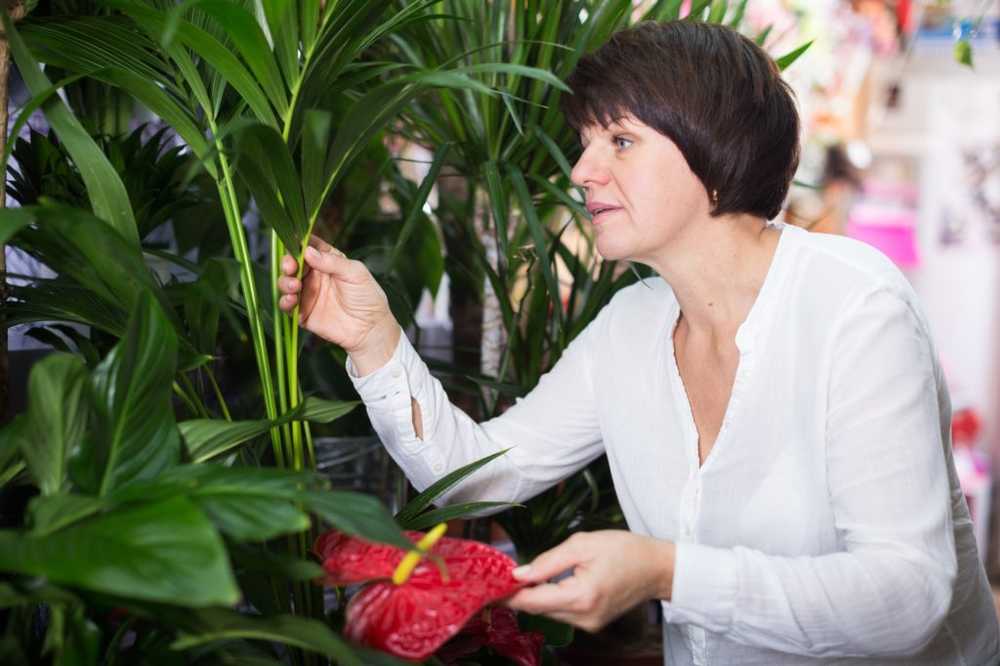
{"x": 713, "y": 92}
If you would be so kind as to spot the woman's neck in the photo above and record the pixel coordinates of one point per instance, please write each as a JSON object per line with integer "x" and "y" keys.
{"x": 716, "y": 268}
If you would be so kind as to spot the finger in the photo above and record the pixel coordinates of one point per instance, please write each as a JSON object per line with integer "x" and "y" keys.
{"x": 288, "y": 302}
{"x": 319, "y": 244}
{"x": 288, "y": 265}
{"x": 289, "y": 285}
{"x": 551, "y": 563}
{"x": 547, "y": 598}
{"x": 332, "y": 261}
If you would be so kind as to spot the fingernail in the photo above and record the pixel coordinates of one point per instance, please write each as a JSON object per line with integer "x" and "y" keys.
{"x": 311, "y": 251}
{"x": 522, "y": 571}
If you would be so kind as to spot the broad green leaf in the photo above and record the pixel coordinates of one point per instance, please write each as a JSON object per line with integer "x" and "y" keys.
{"x": 356, "y": 514}
{"x": 56, "y": 418}
{"x": 107, "y": 194}
{"x": 134, "y": 434}
{"x": 417, "y": 505}
{"x": 50, "y": 513}
{"x": 787, "y": 59}
{"x": 12, "y": 220}
{"x": 164, "y": 551}
{"x": 246, "y": 517}
{"x": 232, "y": 497}
{"x": 218, "y": 624}
{"x": 208, "y": 438}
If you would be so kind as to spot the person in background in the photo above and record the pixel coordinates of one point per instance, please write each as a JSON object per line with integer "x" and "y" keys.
{"x": 771, "y": 404}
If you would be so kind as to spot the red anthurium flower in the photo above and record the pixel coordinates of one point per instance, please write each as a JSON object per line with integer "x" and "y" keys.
{"x": 495, "y": 627}
{"x": 420, "y": 598}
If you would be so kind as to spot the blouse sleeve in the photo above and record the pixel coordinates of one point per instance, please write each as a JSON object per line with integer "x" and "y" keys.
{"x": 889, "y": 590}
{"x": 551, "y": 432}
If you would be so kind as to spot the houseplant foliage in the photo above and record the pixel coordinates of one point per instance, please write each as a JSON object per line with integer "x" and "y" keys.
{"x": 276, "y": 109}
{"x": 126, "y": 533}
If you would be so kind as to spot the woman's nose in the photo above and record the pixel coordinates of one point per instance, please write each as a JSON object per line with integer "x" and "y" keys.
{"x": 588, "y": 170}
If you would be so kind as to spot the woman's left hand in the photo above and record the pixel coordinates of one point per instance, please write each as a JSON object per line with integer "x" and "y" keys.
{"x": 613, "y": 571}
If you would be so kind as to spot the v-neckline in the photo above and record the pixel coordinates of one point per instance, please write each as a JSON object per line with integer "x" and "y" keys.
{"x": 745, "y": 338}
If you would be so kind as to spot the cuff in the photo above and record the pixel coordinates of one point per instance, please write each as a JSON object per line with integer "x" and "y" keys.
{"x": 387, "y": 392}
{"x": 705, "y": 585}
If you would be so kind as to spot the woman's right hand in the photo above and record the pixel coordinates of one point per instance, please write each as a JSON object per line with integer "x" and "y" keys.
{"x": 341, "y": 302}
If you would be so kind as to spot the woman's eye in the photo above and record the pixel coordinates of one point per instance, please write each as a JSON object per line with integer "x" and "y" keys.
{"x": 622, "y": 143}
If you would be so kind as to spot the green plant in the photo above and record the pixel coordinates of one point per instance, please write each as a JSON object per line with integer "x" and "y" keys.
{"x": 127, "y": 529}
{"x": 277, "y": 110}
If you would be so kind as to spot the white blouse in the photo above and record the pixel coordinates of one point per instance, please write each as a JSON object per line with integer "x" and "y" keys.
{"x": 825, "y": 526}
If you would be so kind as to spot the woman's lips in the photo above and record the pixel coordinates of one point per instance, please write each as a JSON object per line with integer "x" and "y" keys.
{"x": 602, "y": 216}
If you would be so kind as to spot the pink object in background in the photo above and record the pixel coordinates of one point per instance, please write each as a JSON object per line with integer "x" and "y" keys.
{"x": 886, "y": 218}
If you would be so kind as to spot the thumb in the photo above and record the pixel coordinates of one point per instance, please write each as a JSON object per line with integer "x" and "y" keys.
{"x": 331, "y": 260}
{"x": 549, "y": 564}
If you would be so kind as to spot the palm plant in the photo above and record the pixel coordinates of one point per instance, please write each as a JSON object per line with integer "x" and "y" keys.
{"x": 276, "y": 108}
{"x": 517, "y": 208}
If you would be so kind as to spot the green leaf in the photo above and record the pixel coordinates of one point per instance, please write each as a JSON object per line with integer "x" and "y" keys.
{"x": 266, "y": 165}
{"x": 536, "y": 73}
{"x": 416, "y": 205}
{"x": 737, "y": 17}
{"x": 12, "y": 220}
{"x": 242, "y": 28}
{"x": 222, "y": 60}
{"x": 164, "y": 551}
{"x": 33, "y": 591}
{"x": 417, "y": 505}
{"x": 239, "y": 500}
{"x": 356, "y": 514}
{"x": 56, "y": 418}
{"x": 718, "y": 11}
{"x": 208, "y": 438}
{"x": 108, "y": 196}
{"x": 541, "y": 243}
{"x": 134, "y": 435}
{"x": 318, "y": 410}
{"x": 28, "y": 109}
{"x": 219, "y": 624}
{"x": 451, "y": 512}
{"x": 787, "y": 59}
{"x": 315, "y": 141}
{"x": 963, "y": 52}
{"x": 259, "y": 560}
{"x": 50, "y": 513}
{"x": 762, "y": 37}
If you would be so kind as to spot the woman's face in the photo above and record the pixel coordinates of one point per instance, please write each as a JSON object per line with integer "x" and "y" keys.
{"x": 640, "y": 191}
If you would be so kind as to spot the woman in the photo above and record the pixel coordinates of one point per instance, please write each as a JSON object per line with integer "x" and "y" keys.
{"x": 773, "y": 412}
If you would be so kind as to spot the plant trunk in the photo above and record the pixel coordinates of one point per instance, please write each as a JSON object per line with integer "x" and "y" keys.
{"x": 494, "y": 334}
{"x": 16, "y": 10}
